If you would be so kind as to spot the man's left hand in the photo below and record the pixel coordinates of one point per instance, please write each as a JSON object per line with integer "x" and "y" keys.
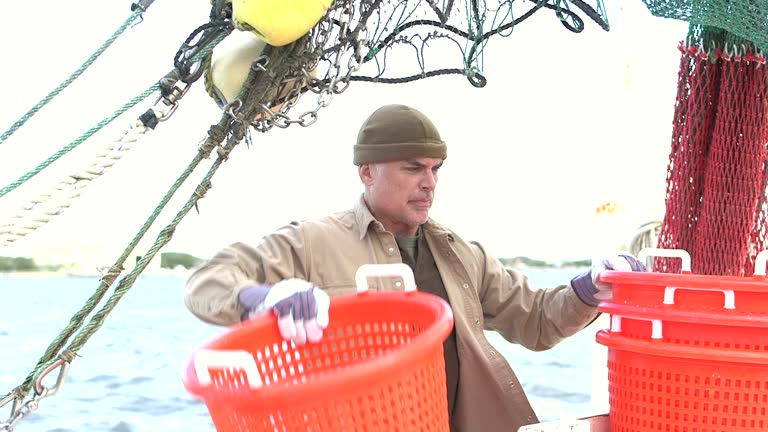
{"x": 592, "y": 292}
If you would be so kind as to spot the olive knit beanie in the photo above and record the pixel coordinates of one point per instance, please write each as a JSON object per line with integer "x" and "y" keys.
{"x": 397, "y": 132}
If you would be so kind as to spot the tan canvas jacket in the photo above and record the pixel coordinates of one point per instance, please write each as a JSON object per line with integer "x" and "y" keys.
{"x": 483, "y": 294}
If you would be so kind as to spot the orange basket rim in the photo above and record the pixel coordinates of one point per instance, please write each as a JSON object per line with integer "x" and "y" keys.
{"x": 757, "y": 283}
{"x": 692, "y": 352}
{"x": 725, "y": 317}
{"x": 360, "y": 374}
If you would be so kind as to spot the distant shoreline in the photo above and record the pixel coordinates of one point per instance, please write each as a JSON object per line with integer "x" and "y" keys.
{"x": 182, "y": 264}
{"x": 34, "y": 274}
{"x": 186, "y": 272}
{"x": 68, "y": 274}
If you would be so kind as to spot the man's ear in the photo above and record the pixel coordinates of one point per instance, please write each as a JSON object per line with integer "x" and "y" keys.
{"x": 366, "y": 173}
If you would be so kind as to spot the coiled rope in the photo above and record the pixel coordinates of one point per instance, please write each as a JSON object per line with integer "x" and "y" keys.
{"x": 57, "y": 198}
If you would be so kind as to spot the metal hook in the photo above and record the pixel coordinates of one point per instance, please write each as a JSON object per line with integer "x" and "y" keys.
{"x": 50, "y": 391}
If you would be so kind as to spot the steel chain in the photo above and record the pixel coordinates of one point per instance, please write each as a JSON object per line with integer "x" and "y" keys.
{"x": 336, "y": 81}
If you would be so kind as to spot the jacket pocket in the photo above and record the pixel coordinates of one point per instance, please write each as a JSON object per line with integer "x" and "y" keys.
{"x": 339, "y": 288}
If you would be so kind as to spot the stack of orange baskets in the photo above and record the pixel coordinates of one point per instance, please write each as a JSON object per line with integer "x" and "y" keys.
{"x": 687, "y": 352}
{"x": 379, "y": 367}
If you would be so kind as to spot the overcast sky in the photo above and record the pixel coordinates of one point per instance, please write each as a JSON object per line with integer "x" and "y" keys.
{"x": 566, "y": 122}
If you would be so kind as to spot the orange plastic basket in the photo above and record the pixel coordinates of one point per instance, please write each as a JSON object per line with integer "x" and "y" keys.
{"x": 687, "y": 353}
{"x": 379, "y": 367}
{"x": 690, "y": 291}
{"x": 735, "y": 332}
{"x": 660, "y": 386}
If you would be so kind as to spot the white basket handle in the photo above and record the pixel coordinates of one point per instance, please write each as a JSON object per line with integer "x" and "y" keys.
{"x": 366, "y": 271}
{"x": 760, "y": 261}
{"x": 232, "y": 360}
{"x": 729, "y": 301}
{"x": 656, "y": 325}
{"x": 685, "y": 266}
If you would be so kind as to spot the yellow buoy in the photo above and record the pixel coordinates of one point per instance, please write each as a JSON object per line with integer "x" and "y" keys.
{"x": 278, "y": 22}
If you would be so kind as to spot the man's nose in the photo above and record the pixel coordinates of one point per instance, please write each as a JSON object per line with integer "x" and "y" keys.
{"x": 429, "y": 181}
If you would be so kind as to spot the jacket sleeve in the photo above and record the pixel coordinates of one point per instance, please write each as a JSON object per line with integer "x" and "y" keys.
{"x": 537, "y": 319}
{"x": 212, "y": 289}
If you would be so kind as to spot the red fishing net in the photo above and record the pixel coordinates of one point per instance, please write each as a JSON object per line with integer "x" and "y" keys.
{"x": 718, "y": 169}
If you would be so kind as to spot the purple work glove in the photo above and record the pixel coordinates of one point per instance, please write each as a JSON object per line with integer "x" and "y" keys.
{"x": 300, "y": 306}
{"x": 590, "y": 291}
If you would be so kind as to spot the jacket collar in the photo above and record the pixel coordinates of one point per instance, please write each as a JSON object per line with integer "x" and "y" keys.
{"x": 364, "y": 218}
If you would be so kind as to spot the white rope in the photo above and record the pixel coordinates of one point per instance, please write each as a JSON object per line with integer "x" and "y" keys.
{"x": 51, "y": 203}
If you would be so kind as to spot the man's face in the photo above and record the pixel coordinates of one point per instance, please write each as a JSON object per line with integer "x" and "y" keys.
{"x": 400, "y": 194}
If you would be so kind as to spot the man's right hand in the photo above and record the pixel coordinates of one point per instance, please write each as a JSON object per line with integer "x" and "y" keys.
{"x": 300, "y": 306}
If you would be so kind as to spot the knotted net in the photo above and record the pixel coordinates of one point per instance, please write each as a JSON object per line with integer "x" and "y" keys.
{"x": 398, "y": 41}
{"x": 717, "y": 172}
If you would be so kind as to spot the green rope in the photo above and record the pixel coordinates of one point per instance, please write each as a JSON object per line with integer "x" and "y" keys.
{"x": 53, "y": 158}
{"x": 235, "y": 129}
{"x": 107, "y": 280}
{"x": 77, "y": 320}
{"x": 72, "y": 77}
{"x": 238, "y": 130}
{"x": 163, "y": 238}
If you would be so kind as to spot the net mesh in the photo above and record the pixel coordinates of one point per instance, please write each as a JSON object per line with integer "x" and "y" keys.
{"x": 397, "y": 41}
{"x": 716, "y": 176}
{"x": 409, "y": 40}
{"x": 747, "y": 19}
{"x": 392, "y": 41}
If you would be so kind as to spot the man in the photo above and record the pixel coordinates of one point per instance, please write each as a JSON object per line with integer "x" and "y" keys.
{"x": 399, "y": 153}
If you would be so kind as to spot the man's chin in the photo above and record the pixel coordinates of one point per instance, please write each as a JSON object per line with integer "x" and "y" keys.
{"x": 422, "y": 218}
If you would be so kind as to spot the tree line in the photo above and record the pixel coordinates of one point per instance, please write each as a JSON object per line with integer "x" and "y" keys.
{"x": 169, "y": 260}
{"x": 20, "y": 264}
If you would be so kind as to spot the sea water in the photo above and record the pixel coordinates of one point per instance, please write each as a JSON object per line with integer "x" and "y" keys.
{"x": 127, "y": 377}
